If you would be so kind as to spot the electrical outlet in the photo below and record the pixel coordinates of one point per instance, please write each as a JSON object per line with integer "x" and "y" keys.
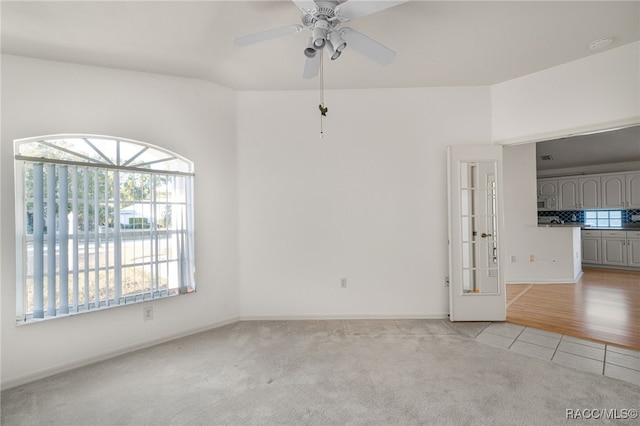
{"x": 147, "y": 313}
{"x": 343, "y": 282}
{"x": 446, "y": 281}
{"x": 532, "y": 258}
{"x": 513, "y": 259}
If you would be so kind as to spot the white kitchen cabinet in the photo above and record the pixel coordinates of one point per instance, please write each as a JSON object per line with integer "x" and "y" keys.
{"x": 548, "y": 187}
{"x": 591, "y": 245}
{"x": 589, "y": 192}
{"x": 614, "y": 191}
{"x": 633, "y": 248}
{"x": 579, "y": 193}
{"x": 614, "y": 248}
{"x": 633, "y": 190}
{"x": 568, "y": 194}
{"x": 611, "y": 248}
{"x": 592, "y": 192}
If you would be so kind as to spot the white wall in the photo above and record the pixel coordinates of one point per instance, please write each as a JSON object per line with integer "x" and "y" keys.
{"x": 367, "y": 202}
{"x": 554, "y": 249}
{"x": 193, "y": 118}
{"x": 598, "y": 92}
{"x": 594, "y": 93}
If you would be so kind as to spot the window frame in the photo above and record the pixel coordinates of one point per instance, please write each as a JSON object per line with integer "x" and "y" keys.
{"x": 171, "y": 160}
{"x": 595, "y": 222}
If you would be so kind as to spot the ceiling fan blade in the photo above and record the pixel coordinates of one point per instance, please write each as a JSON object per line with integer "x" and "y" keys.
{"x": 312, "y": 66}
{"x": 305, "y": 5}
{"x": 267, "y": 35}
{"x": 368, "y": 47}
{"x": 353, "y": 9}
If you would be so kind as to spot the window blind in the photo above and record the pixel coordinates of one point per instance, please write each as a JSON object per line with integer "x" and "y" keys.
{"x": 99, "y": 235}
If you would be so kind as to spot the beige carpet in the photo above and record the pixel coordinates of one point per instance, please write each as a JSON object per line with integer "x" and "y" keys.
{"x": 320, "y": 373}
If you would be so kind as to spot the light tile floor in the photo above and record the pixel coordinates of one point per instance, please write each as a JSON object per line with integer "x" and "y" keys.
{"x": 598, "y": 358}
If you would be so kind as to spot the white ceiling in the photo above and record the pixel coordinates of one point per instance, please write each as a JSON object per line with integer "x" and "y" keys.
{"x": 617, "y": 146}
{"x": 451, "y": 43}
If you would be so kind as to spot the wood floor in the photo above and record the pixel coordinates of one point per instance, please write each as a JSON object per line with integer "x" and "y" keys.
{"x": 604, "y": 306}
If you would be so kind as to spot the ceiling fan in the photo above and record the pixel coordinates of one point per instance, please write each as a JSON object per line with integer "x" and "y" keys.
{"x": 323, "y": 18}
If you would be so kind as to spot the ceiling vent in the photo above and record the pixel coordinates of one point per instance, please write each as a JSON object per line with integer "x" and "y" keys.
{"x": 601, "y": 43}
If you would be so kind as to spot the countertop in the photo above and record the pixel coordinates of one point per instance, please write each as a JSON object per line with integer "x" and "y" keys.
{"x": 562, "y": 225}
{"x": 627, "y": 227}
{"x": 614, "y": 228}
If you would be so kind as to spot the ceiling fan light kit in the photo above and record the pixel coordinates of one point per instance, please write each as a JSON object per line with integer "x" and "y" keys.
{"x": 323, "y": 18}
{"x": 310, "y": 51}
{"x": 320, "y": 28}
{"x": 337, "y": 41}
{"x": 333, "y": 52}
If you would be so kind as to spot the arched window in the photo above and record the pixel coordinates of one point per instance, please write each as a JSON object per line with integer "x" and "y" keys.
{"x": 101, "y": 222}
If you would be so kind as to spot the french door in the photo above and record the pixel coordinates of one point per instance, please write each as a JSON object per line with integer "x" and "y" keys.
{"x": 477, "y": 286}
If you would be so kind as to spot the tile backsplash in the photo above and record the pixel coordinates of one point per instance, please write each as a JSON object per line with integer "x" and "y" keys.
{"x": 566, "y": 215}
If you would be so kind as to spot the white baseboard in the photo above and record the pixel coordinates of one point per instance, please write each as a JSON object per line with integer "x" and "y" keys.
{"x": 578, "y": 276}
{"x": 612, "y": 267}
{"x": 61, "y": 368}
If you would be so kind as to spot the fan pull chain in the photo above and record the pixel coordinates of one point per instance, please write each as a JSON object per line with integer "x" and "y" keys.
{"x": 323, "y": 109}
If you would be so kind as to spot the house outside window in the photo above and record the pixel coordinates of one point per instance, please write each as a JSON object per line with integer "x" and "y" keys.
{"x": 101, "y": 222}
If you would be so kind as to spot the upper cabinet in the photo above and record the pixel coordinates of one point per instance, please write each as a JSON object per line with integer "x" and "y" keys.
{"x": 633, "y": 190}
{"x": 621, "y": 191}
{"x": 589, "y": 192}
{"x": 548, "y": 187}
{"x": 569, "y": 194}
{"x": 579, "y": 193}
{"x": 613, "y": 191}
{"x": 606, "y": 191}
